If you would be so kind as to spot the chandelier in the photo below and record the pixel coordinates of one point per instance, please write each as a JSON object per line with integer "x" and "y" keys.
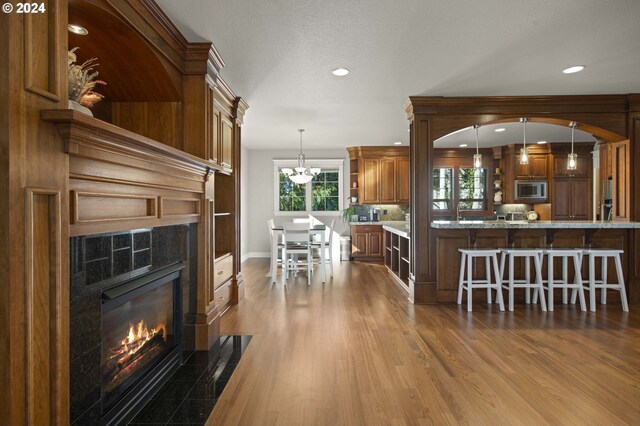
{"x": 301, "y": 174}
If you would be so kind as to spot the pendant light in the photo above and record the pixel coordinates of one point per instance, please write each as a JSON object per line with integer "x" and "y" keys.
{"x": 301, "y": 174}
{"x": 524, "y": 154}
{"x": 572, "y": 158}
{"x": 477, "y": 157}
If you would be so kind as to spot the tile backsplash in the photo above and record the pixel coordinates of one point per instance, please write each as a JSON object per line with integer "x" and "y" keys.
{"x": 393, "y": 211}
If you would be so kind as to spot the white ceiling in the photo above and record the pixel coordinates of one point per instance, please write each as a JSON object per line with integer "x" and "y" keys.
{"x": 279, "y": 55}
{"x": 513, "y": 134}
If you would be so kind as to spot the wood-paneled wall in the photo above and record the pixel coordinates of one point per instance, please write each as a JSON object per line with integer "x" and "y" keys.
{"x": 613, "y": 118}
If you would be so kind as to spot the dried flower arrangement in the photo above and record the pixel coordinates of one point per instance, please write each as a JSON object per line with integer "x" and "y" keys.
{"x": 82, "y": 81}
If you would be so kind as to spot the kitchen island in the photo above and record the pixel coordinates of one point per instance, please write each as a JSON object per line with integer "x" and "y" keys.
{"x": 452, "y": 235}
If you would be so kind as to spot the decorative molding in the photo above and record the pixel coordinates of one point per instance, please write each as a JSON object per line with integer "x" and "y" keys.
{"x": 178, "y": 207}
{"x": 43, "y": 304}
{"x": 48, "y": 63}
{"x": 128, "y": 207}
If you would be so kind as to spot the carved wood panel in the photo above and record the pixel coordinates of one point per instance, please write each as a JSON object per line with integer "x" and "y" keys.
{"x": 41, "y": 57}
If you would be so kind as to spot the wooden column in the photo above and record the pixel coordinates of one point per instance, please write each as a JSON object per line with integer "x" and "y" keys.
{"x": 34, "y": 276}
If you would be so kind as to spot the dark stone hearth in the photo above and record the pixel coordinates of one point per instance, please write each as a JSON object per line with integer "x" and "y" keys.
{"x": 85, "y": 379}
{"x": 190, "y": 395}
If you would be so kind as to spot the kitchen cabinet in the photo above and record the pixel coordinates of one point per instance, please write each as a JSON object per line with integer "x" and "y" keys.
{"x": 367, "y": 242}
{"x": 369, "y": 181}
{"x": 571, "y": 199}
{"x": 381, "y": 174}
{"x": 226, "y": 146}
{"x": 535, "y": 169}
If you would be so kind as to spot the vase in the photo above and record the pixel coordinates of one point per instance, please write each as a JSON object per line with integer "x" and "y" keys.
{"x": 80, "y": 108}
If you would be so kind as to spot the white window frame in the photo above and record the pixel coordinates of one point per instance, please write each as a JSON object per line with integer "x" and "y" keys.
{"x": 323, "y": 164}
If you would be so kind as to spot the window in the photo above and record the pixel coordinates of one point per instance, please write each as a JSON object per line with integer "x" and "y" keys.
{"x": 323, "y": 194}
{"x": 472, "y": 187}
{"x": 442, "y": 189}
{"x": 469, "y": 190}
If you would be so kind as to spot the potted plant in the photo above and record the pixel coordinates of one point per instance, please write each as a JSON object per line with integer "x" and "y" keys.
{"x": 81, "y": 84}
{"x": 347, "y": 213}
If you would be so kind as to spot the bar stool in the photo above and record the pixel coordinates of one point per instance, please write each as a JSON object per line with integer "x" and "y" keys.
{"x": 466, "y": 262}
{"x": 563, "y": 281}
{"x": 594, "y": 284}
{"x": 526, "y": 283}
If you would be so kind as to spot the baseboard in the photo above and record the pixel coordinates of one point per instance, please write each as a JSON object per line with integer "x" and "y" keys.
{"x": 255, "y": 254}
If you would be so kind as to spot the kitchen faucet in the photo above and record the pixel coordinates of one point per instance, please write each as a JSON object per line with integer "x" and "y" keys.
{"x": 458, "y": 214}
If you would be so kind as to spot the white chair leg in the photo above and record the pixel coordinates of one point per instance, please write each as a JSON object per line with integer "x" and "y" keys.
{"x": 461, "y": 279}
{"x": 487, "y": 265}
{"x": 331, "y": 262}
{"x": 603, "y": 291}
{"x": 538, "y": 267}
{"x": 565, "y": 278}
{"x": 592, "y": 283}
{"x": 549, "y": 281}
{"x": 469, "y": 279}
{"x": 577, "y": 262}
{"x": 527, "y": 277}
{"x": 623, "y": 292}
{"x": 511, "y": 288}
{"x": 498, "y": 282}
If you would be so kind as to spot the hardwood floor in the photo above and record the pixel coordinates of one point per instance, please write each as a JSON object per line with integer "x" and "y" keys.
{"x": 355, "y": 352}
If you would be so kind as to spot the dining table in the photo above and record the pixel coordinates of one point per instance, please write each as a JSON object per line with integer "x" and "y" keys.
{"x": 316, "y": 234}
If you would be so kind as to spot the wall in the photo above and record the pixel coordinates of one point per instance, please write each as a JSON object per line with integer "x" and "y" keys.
{"x": 259, "y": 194}
{"x": 244, "y": 200}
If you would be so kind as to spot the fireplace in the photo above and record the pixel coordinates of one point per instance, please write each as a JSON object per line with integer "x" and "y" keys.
{"x": 141, "y": 330}
{"x": 133, "y": 294}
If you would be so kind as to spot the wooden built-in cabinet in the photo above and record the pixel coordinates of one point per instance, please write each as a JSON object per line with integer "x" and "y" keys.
{"x": 571, "y": 199}
{"x": 154, "y": 154}
{"x": 536, "y": 169}
{"x": 396, "y": 257}
{"x": 380, "y": 174}
{"x": 366, "y": 242}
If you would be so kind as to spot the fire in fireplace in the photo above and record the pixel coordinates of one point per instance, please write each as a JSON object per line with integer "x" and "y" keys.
{"x": 140, "y": 328}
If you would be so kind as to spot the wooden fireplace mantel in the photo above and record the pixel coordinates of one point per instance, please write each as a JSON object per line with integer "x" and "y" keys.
{"x": 120, "y": 180}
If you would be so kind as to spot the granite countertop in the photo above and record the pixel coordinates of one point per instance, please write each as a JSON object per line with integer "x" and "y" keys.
{"x": 398, "y": 228}
{"x": 523, "y": 224}
{"x": 381, "y": 222}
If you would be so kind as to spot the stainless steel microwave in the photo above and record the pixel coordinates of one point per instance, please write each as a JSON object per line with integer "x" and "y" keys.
{"x": 531, "y": 190}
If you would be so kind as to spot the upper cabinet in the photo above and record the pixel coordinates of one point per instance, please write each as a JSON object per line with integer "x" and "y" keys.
{"x": 380, "y": 174}
{"x": 535, "y": 169}
{"x": 220, "y": 129}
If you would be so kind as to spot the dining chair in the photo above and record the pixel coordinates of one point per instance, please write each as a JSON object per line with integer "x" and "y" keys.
{"x": 296, "y": 243}
{"x": 328, "y": 246}
{"x": 273, "y": 265}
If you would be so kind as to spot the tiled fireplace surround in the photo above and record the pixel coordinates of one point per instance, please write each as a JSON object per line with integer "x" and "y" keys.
{"x": 92, "y": 274}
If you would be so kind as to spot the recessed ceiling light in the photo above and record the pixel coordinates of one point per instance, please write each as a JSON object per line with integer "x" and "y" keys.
{"x": 499, "y": 129}
{"x": 77, "y": 29}
{"x": 571, "y": 70}
{"x": 397, "y": 143}
{"x": 463, "y": 145}
{"x": 541, "y": 142}
{"x": 340, "y": 72}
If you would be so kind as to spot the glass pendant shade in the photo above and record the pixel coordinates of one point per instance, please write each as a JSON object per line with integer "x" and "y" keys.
{"x": 477, "y": 157}
{"x": 524, "y": 154}
{"x": 572, "y": 161}
{"x": 572, "y": 158}
{"x": 301, "y": 174}
{"x": 477, "y": 161}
